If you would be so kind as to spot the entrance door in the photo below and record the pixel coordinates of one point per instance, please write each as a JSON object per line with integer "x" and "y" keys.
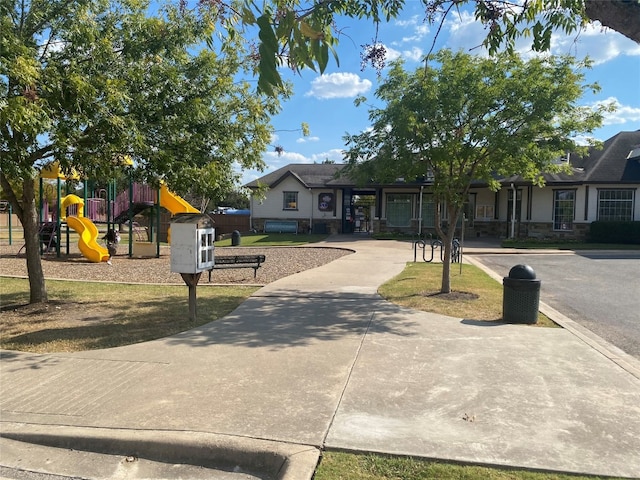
{"x": 515, "y": 229}
{"x": 347, "y": 211}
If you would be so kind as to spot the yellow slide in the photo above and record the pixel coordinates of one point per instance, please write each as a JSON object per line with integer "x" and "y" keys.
{"x": 87, "y": 243}
{"x": 87, "y": 230}
{"x": 174, "y": 203}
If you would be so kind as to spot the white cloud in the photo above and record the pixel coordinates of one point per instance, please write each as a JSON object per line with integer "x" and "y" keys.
{"x": 464, "y": 33}
{"x": 335, "y": 154}
{"x": 307, "y": 139}
{"x": 601, "y": 45}
{"x": 411, "y": 22}
{"x": 274, "y": 161}
{"x": 623, "y": 113}
{"x": 338, "y": 85}
{"x": 273, "y": 158}
{"x": 391, "y": 54}
{"x": 415, "y": 54}
{"x": 419, "y": 33}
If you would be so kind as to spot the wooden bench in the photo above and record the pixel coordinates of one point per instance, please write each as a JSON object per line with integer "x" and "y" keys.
{"x": 280, "y": 226}
{"x": 238, "y": 261}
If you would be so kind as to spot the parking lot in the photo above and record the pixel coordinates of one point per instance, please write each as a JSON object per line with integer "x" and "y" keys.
{"x": 599, "y": 290}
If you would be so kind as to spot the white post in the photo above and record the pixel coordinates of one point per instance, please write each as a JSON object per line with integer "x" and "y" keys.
{"x": 420, "y": 213}
{"x": 513, "y": 212}
{"x": 311, "y": 212}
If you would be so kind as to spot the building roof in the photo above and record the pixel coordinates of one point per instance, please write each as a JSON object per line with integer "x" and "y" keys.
{"x": 613, "y": 164}
{"x": 618, "y": 161}
{"x": 312, "y": 175}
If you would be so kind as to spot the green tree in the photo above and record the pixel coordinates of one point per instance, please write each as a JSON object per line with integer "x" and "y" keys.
{"x": 238, "y": 199}
{"x": 464, "y": 119}
{"x": 302, "y": 34}
{"x": 86, "y": 82}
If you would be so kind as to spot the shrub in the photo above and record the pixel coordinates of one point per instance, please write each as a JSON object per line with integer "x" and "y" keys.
{"x": 614, "y": 232}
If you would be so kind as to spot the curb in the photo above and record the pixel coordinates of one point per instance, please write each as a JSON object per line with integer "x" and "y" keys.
{"x": 625, "y": 361}
{"x": 278, "y": 460}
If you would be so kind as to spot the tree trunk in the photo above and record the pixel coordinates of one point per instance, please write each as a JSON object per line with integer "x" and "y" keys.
{"x": 447, "y": 241}
{"x": 30, "y": 224}
{"x": 621, "y": 15}
{"x": 446, "y": 263}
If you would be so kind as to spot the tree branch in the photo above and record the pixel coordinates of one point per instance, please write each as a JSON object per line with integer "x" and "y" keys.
{"x": 620, "y": 15}
{"x": 11, "y": 194}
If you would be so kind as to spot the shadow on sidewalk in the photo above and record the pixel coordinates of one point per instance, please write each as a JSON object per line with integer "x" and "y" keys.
{"x": 278, "y": 323}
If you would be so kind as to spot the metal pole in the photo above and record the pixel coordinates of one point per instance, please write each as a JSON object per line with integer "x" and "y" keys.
{"x": 10, "y": 215}
{"x": 157, "y": 209}
{"x": 41, "y": 206}
{"x": 58, "y": 222}
{"x": 420, "y": 214}
{"x": 513, "y": 212}
{"x": 130, "y": 215}
{"x": 311, "y": 212}
{"x": 461, "y": 241}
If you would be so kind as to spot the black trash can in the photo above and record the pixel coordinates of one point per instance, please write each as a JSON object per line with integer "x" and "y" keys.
{"x": 521, "y": 295}
{"x": 235, "y": 238}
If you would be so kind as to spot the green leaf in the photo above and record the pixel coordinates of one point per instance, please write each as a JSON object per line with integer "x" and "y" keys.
{"x": 247, "y": 16}
{"x": 266, "y": 34}
{"x": 323, "y": 57}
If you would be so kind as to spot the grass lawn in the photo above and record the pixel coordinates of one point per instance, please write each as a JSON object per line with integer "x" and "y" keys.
{"x": 475, "y": 295}
{"x": 105, "y": 315}
{"x": 348, "y": 466}
{"x": 273, "y": 239}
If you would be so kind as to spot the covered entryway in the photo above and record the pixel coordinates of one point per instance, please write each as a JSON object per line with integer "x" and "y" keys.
{"x": 513, "y": 220}
{"x": 358, "y": 210}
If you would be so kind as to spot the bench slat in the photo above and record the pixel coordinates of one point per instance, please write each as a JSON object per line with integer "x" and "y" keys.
{"x": 238, "y": 261}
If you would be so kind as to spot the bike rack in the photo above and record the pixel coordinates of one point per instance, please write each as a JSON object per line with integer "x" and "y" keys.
{"x": 434, "y": 244}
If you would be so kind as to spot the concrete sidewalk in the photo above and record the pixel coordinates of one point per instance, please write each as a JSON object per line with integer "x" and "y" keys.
{"x": 318, "y": 360}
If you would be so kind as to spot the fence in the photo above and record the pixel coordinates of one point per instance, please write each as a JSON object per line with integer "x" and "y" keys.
{"x": 225, "y": 224}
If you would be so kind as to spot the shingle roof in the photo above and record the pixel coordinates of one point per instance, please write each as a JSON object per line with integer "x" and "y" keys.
{"x": 309, "y": 175}
{"x": 611, "y": 164}
{"x": 607, "y": 165}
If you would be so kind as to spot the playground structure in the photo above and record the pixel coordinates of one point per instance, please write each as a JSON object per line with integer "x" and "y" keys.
{"x": 87, "y": 230}
{"x": 104, "y": 206}
{"x": 5, "y": 208}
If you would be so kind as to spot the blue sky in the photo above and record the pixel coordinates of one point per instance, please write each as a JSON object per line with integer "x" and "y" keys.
{"x": 325, "y": 102}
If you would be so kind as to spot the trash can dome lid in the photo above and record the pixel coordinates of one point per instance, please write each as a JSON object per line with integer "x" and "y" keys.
{"x": 522, "y": 272}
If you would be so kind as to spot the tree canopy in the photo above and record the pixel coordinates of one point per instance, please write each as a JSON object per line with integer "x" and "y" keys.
{"x": 302, "y": 34}
{"x": 466, "y": 119}
{"x": 86, "y": 83}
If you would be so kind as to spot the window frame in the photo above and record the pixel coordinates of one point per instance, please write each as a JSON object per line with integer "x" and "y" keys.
{"x": 286, "y": 202}
{"x": 408, "y": 202}
{"x": 428, "y": 208}
{"x": 559, "y": 217}
{"x": 616, "y": 202}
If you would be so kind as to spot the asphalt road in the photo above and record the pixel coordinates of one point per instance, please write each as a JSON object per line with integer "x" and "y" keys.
{"x": 599, "y": 290}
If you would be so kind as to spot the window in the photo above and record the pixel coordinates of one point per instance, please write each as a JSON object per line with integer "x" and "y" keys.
{"x": 207, "y": 247}
{"x": 485, "y": 212}
{"x": 398, "y": 210}
{"x": 428, "y": 211}
{"x": 468, "y": 211}
{"x": 615, "y": 205}
{"x": 563, "y": 209}
{"x": 290, "y": 200}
